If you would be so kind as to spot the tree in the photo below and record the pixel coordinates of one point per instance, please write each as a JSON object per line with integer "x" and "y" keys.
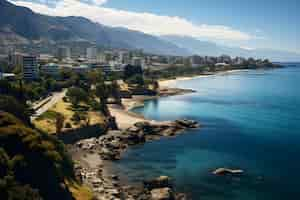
{"x": 34, "y": 159}
{"x": 60, "y": 119}
{"x": 155, "y": 85}
{"x": 136, "y": 79}
{"x": 102, "y": 93}
{"x": 77, "y": 95}
{"x": 131, "y": 70}
{"x": 115, "y": 92}
{"x": 9, "y": 187}
{"x": 11, "y": 105}
{"x": 95, "y": 76}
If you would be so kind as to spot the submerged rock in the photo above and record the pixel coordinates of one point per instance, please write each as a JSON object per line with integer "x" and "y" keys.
{"x": 225, "y": 171}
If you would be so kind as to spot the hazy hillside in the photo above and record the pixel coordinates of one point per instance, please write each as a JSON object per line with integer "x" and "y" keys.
{"x": 196, "y": 46}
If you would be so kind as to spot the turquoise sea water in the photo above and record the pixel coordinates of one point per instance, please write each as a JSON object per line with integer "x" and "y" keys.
{"x": 251, "y": 121}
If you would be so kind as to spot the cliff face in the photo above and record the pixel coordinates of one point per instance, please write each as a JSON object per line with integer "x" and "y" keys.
{"x": 25, "y": 26}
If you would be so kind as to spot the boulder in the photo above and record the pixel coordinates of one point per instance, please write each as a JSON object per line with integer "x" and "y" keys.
{"x": 146, "y": 127}
{"x": 134, "y": 138}
{"x": 181, "y": 196}
{"x": 162, "y": 194}
{"x": 160, "y": 182}
{"x": 187, "y": 123}
{"x": 133, "y": 129}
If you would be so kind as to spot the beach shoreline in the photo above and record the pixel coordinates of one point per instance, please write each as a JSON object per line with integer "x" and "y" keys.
{"x": 99, "y": 173}
{"x": 166, "y": 83}
{"x": 125, "y": 118}
{"x": 104, "y": 171}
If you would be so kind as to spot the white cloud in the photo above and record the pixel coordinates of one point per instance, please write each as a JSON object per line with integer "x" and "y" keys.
{"x": 145, "y": 22}
{"x": 247, "y": 48}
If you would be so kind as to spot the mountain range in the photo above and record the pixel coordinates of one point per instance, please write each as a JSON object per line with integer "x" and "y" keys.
{"x": 22, "y": 26}
{"x": 204, "y": 48}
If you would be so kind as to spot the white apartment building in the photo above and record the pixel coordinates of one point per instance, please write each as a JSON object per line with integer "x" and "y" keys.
{"x": 91, "y": 53}
{"x": 124, "y": 57}
{"x": 63, "y": 53}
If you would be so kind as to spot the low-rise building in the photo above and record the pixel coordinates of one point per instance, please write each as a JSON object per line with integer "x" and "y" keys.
{"x": 51, "y": 69}
{"x": 7, "y": 76}
{"x": 221, "y": 64}
{"x": 77, "y": 69}
{"x": 106, "y": 69}
{"x": 137, "y": 61}
{"x": 44, "y": 58}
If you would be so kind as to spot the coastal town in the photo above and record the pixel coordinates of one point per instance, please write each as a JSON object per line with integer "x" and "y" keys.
{"x": 85, "y": 101}
{"x": 149, "y": 100}
{"x": 81, "y": 60}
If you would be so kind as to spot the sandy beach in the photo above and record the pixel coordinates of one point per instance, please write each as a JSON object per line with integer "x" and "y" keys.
{"x": 170, "y": 82}
{"x": 126, "y": 119}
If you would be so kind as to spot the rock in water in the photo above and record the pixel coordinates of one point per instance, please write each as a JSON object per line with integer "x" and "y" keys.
{"x": 162, "y": 194}
{"x": 225, "y": 171}
{"x": 187, "y": 123}
{"x": 160, "y": 182}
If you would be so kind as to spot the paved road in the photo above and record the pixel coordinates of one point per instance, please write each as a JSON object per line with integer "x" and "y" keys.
{"x": 51, "y": 101}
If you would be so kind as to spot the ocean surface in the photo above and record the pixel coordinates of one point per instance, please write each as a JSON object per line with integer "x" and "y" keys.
{"x": 250, "y": 121}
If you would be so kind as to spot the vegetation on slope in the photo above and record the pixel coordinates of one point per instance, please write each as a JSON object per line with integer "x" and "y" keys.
{"x": 32, "y": 163}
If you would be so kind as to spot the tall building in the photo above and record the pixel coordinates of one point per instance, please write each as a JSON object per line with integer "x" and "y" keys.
{"x": 15, "y": 59}
{"x": 63, "y": 53}
{"x": 124, "y": 57}
{"x": 91, "y": 53}
{"x": 101, "y": 58}
{"x": 30, "y": 68}
{"x": 137, "y": 61}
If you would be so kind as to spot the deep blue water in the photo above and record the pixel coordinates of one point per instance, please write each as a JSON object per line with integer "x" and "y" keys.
{"x": 251, "y": 121}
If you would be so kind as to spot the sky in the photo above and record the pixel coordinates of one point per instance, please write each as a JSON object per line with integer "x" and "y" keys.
{"x": 270, "y": 24}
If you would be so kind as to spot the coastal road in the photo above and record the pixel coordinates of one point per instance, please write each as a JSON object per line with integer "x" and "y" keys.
{"x": 47, "y": 103}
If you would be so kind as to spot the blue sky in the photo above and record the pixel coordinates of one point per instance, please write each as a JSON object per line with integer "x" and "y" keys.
{"x": 250, "y": 24}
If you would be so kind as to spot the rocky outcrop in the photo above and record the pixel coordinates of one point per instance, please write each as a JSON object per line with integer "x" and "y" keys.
{"x": 160, "y": 182}
{"x": 161, "y": 188}
{"x": 111, "y": 146}
{"x": 162, "y": 194}
{"x": 187, "y": 123}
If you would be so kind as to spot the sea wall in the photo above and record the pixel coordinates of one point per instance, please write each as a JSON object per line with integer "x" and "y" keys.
{"x": 73, "y": 136}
